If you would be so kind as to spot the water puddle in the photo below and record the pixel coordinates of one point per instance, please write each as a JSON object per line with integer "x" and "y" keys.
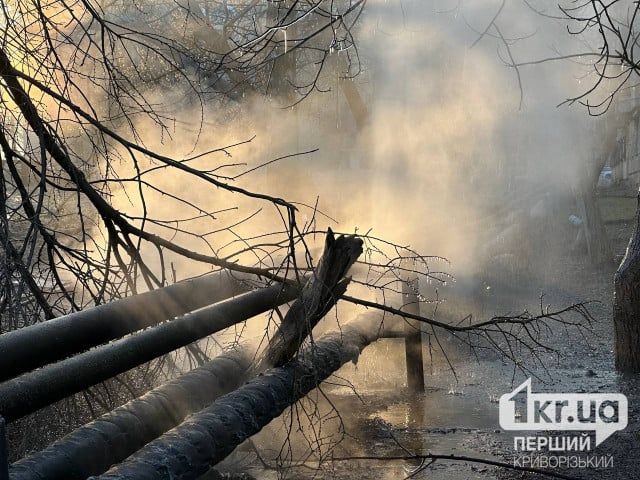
{"x": 437, "y": 412}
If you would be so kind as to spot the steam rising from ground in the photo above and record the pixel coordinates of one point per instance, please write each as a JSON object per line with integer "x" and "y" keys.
{"x": 454, "y": 160}
{"x": 460, "y": 159}
{"x": 449, "y": 157}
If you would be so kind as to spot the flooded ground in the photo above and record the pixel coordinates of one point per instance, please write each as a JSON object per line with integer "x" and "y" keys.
{"x": 458, "y": 413}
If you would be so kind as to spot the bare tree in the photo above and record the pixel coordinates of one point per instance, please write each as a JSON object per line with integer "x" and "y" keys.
{"x": 608, "y": 53}
{"x": 77, "y": 79}
{"x": 612, "y": 30}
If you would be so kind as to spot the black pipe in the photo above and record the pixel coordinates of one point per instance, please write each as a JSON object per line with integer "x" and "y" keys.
{"x": 109, "y": 439}
{"x": 207, "y": 437}
{"x": 31, "y": 347}
{"x": 26, "y": 394}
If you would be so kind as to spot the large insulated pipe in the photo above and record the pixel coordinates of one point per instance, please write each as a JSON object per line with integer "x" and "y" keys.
{"x": 207, "y": 437}
{"x": 26, "y": 394}
{"x": 43, "y": 343}
{"x": 109, "y": 439}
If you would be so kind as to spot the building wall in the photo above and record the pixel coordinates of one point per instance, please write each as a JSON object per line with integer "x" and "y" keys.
{"x": 624, "y": 153}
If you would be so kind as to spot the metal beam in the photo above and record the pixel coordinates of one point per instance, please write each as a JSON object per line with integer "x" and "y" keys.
{"x": 413, "y": 339}
{"x": 43, "y": 343}
{"x": 26, "y": 394}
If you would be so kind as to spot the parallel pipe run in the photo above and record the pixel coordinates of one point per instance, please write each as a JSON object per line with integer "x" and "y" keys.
{"x": 43, "y": 343}
{"x": 108, "y": 440}
{"x": 32, "y": 391}
{"x": 206, "y": 438}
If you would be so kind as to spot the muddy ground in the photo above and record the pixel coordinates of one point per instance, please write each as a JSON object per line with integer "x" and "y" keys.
{"x": 458, "y": 413}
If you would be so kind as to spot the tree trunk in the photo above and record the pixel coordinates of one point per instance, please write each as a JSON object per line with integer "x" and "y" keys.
{"x": 355, "y": 101}
{"x": 282, "y": 81}
{"x": 626, "y": 304}
{"x": 598, "y": 245}
{"x": 319, "y": 295}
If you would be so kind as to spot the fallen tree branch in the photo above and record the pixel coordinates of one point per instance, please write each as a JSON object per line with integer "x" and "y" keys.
{"x": 521, "y": 319}
{"x": 319, "y": 295}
